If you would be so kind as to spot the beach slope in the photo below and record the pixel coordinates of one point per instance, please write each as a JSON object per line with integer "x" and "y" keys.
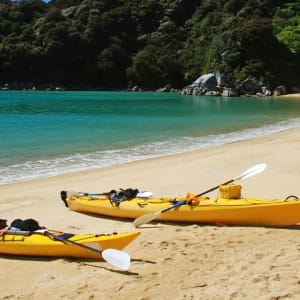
{"x": 169, "y": 260}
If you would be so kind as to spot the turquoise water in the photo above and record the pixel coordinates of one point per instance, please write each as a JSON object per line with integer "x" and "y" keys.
{"x": 50, "y": 133}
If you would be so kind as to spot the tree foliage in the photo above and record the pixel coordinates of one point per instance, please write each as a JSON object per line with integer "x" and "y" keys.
{"x": 108, "y": 44}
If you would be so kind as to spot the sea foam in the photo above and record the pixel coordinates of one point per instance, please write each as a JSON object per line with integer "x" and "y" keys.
{"x": 98, "y": 159}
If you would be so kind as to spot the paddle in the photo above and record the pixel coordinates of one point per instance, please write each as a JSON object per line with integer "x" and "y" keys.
{"x": 117, "y": 258}
{"x": 65, "y": 194}
{"x": 150, "y": 217}
{"x": 141, "y": 194}
{"x": 250, "y": 172}
{"x": 71, "y": 193}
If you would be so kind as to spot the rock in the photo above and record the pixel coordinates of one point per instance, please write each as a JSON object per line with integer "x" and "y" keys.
{"x": 280, "y": 90}
{"x": 249, "y": 87}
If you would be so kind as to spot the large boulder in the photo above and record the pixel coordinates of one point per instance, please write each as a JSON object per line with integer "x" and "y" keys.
{"x": 206, "y": 82}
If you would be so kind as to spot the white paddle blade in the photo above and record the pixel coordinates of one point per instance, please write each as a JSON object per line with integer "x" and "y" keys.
{"x": 252, "y": 171}
{"x": 144, "y": 194}
{"x": 145, "y": 219}
{"x": 117, "y": 258}
{"x": 72, "y": 194}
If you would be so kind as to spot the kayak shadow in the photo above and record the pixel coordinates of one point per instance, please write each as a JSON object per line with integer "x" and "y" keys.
{"x": 161, "y": 223}
{"x": 98, "y": 216}
{"x": 28, "y": 258}
{"x": 292, "y": 227}
{"x": 125, "y": 272}
{"x": 85, "y": 262}
{"x": 79, "y": 260}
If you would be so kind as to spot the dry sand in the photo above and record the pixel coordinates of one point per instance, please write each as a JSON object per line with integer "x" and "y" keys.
{"x": 169, "y": 261}
{"x": 295, "y": 96}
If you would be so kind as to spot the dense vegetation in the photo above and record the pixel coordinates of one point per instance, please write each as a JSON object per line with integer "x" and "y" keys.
{"x": 115, "y": 44}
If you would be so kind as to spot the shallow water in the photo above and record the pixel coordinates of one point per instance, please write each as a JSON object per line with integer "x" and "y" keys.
{"x": 50, "y": 133}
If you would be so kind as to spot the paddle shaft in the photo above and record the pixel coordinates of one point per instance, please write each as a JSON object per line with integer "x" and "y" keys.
{"x": 114, "y": 257}
{"x": 214, "y": 188}
{"x": 92, "y": 194}
{"x": 150, "y": 217}
{"x": 177, "y": 204}
{"x": 250, "y": 172}
{"x": 72, "y": 243}
{"x": 18, "y": 232}
{"x": 64, "y": 195}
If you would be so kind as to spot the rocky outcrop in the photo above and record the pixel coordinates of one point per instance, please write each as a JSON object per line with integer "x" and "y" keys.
{"x": 209, "y": 85}
{"x": 204, "y": 85}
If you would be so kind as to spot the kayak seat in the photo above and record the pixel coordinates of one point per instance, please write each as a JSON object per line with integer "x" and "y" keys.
{"x": 116, "y": 197}
{"x": 65, "y": 236}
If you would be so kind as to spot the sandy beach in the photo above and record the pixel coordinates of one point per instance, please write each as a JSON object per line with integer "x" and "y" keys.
{"x": 169, "y": 261}
{"x": 295, "y": 96}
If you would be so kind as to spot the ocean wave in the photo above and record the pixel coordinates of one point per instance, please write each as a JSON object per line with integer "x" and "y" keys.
{"x": 80, "y": 162}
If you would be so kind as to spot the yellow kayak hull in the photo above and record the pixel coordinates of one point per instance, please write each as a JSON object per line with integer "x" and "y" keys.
{"x": 38, "y": 244}
{"x": 242, "y": 211}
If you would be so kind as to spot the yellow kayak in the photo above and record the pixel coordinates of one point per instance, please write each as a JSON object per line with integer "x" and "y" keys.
{"x": 227, "y": 209}
{"x": 58, "y": 244}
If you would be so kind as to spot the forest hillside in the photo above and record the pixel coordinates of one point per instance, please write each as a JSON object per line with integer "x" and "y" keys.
{"x": 118, "y": 44}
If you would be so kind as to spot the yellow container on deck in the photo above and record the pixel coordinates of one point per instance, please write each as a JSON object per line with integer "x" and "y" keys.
{"x": 230, "y": 191}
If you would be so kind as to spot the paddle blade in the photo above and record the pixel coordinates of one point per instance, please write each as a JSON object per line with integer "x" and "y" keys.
{"x": 252, "y": 171}
{"x": 72, "y": 194}
{"x": 144, "y": 194}
{"x": 117, "y": 258}
{"x": 145, "y": 219}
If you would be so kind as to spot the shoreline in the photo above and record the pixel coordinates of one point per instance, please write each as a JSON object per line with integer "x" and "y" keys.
{"x": 211, "y": 262}
{"x": 30, "y": 168}
{"x": 297, "y": 95}
{"x": 83, "y": 177}
{"x": 178, "y": 91}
